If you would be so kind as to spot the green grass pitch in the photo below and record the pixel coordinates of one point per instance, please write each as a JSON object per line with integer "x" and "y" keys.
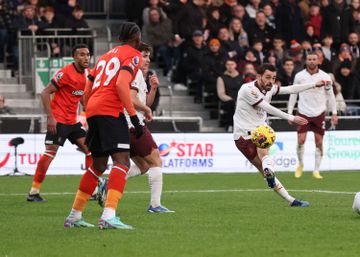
{"x": 216, "y": 215}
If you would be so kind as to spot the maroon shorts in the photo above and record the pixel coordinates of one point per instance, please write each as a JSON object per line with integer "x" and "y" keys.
{"x": 143, "y": 145}
{"x": 316, "y": 124}
{"x": 247, "y": 147}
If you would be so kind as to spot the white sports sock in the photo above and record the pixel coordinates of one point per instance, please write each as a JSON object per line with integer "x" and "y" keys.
{"x": 75, "y": 215}
{"x": 108, "y": 213}
{"x": 133, "y": 171}
{"x": 318, "y": 158}
{"x": 280, "y": 189}
{"x": 300, "y": 153}
{"x": 156, "y": 183}
{"x": 34, "y": 191}
{"x": 267, "y": 163}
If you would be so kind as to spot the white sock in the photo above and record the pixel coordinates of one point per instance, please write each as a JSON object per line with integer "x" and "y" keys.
{"x": 108, "y": 213}
{"x": 75, "y": 215}
{"x": 300, "y": 154}
{"x": 155, "y": 182}
{"x": 133, "y": 171}
{"x": 268, "y": 163}
{"x": 34, "y": 191}
{"x": 318, "y": 158}
{"x": 280, "y": 189}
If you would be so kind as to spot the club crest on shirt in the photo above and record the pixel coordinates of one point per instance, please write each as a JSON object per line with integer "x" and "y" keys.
{"x": 58, "y": 76}
{"x": 136, "y": 60}
{"x": 254, "y": 93}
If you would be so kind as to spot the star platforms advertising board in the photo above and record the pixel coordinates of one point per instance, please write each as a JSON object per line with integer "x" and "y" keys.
{"x": 193, "y": 153}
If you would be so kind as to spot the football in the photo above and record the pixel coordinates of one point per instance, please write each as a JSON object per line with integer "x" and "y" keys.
{"x": 263, "y": 136}
{"x": 356, "y": 203}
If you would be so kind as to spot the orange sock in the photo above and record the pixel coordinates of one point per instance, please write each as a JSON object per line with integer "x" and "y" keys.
{"x": 116, "y": 185}
{"x": 87, "y": 186}
{"x": 42, "y": 167}
{"x": 88, "y": 160}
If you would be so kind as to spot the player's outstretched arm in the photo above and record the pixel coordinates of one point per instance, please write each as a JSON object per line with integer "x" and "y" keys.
{"x": 294, "y": 89}
{"x": 45, "y": 98}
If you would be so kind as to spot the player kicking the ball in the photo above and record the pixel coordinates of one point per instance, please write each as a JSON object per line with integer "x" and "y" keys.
{"x": 143, "y": 150}
{"x": 251, "y": 111}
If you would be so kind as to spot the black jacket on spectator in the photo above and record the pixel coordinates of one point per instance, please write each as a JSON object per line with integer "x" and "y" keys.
{"x": 7, "y": 13}
{"x": 75, "y": 23}
{"x": 189, "y": 18}
{"x": 289, "y": 23}
{"x": 336, "y": 22}
{"x": 193, "y": 59}
{"x": 350, "y": 87}
{"x": 213, "y": 67}
{"x": 264, "y": 35}
{"x": 230, "y": 46}
{"x": 232, "y": 85}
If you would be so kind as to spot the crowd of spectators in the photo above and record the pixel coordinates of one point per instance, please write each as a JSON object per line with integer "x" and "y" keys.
{"x": 35, "y": 16}
{"x": 195, "y": 38}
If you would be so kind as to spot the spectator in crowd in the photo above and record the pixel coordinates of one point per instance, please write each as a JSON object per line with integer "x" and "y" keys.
{"x": 77, "y": 21}
{"x": 287, "y": 73}
{"x": 336, "y": 21}
{"x": 310, "y": 34}
{"x": 189, "y": 18}
{"x": 230, "y": 47}
{"x": 271, "y": 58}
{"x": 252, "y": 8}
{"x": 315, "y": 18}
{"x": 324, "y": 64}
{"x": 340, "y": 101}
{"x": 350, "y": 86}
{"x": 289, "y": 23}
{"x": 355, "y": 16}
{"x": 249, "y": 73}
{"x": 49, "y": 21}
{"x": 296, "y": 53}
{"x": 237, "y": 33}
{"x": 146, "y": 11}
{"x": 238, "y": 11}
{"x": 248, "y": 58}
{"x": 3, "y": 108}
{"x": 193, "y": 62}
{"x": 225, "y": 10}
{"x": 214, "y": 66}
{"x": 228, "y": 85}
{"x": 278, "y": 48}
{"x": 353, "y": 40}
{"x": 270, "y": 17}
{"x": 261, "y": 31}
{"x": 27, "y": 20}
{"x": 327, "y": 47}
{"x": 344, "y": 54}
{"x": 7, "y": 13}
{"x": 64, "y": 9}
{"x": 306, "y": 46}
{"x": 304, "y": 6}
{"x": 257, "y": 48}
{"x": 158, "y": 33}
{"x": 214, "y": 22}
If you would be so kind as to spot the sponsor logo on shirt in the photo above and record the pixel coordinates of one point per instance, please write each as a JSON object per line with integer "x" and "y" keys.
{"x": 77, "y": 92}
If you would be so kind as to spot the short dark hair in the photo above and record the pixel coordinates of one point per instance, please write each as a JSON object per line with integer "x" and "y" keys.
{"x": 128, "y": 30}
{"x": 264, "y": 67}
{"x": 77, "y": 8}
{"x": 143, "y": 47}
{"x": 78, "y": 46}
{"x": 287, "y": 60}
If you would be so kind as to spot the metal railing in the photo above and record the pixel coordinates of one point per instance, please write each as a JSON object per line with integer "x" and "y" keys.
{"x": 104, "y": 8}
{"x": 48, "y": 43}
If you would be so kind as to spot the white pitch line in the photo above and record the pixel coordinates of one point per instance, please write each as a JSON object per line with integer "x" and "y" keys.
{"x": 203, "y": 191}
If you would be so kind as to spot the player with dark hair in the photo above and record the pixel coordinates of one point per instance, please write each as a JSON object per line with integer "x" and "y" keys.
{"x": 251, "y": 111}
{"x": 107, "y": 94}
{"x": 68, "y": 86}
{"x": 143, "y": 150}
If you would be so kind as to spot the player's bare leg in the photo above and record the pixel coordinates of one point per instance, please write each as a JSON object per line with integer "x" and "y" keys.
{"x": 40, "y": 173}
{"x": 318, "y": 155}
{"x": 260, "y": 161}
{"x": 300, "y": 154}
